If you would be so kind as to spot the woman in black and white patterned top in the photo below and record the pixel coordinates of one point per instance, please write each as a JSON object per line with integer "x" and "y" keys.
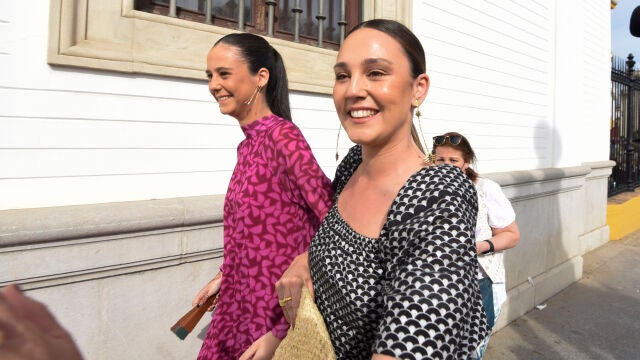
{"x": 393, "y": 264}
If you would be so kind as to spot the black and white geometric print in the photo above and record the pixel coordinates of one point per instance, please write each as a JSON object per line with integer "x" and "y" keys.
{"x": 413, "y": 292}
{"x": 345, "y": 272}
{"x": 346, "y": 168}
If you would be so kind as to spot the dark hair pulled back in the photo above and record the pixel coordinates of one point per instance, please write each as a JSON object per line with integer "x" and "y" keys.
{"x": 258, "y": 53}
{"x": 468, "y": 155}
{"x": 406, "y": 38}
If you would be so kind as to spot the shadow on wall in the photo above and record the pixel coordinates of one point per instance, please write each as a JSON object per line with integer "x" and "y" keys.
{"x": 547, "y": 143}
{"x": 539, "y": 264}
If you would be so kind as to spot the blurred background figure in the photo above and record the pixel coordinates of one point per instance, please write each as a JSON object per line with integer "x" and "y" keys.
{"x": 28, "y": 331}
{"x": 496, "y": 228}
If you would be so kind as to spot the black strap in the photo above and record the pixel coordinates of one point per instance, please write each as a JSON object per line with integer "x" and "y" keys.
{"x": 491, "y": 248}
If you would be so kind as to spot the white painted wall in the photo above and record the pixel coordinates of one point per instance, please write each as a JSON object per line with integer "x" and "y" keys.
{"x": 583, "y": 109}
{"x": 491, "y": 68}
{"x": 528, "y": 82}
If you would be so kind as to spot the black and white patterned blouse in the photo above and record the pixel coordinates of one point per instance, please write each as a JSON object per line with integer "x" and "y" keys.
{"x": 412, "y": 293}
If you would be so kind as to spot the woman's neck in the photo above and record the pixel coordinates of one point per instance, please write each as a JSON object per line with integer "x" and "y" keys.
{"x": 402, "y": 158}
{"x": 257, "y": 111}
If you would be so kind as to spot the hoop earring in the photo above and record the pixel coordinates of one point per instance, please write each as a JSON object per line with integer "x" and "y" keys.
{"x": 255, "y": 94}
{"x": 337, "y": 141}
{"x": 429, "y": 157}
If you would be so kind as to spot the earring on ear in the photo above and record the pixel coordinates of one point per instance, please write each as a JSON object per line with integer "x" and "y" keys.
{"x": 255, "y": 94}
{"x": 417, "y": 105}
{"x": 429, "y": 157}
{"x": 338, "y": 140}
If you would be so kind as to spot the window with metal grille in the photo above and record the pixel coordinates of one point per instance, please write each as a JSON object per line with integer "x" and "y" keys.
{"x": 321, "y": 23}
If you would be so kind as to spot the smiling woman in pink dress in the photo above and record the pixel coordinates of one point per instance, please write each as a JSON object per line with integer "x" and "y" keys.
{"x": 276, "y": 199}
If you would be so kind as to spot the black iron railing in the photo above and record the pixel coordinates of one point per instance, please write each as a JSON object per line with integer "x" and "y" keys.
{"x": 319, "y": 22}
{"x": 625, "y": 126}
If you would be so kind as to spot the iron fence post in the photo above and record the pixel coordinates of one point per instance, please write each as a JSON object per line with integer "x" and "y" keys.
{"x": 630, "y": 117}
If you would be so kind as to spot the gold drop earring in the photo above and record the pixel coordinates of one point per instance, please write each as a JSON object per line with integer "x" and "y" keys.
{"x": 255, "y": 94}
{"x": 429, "y": 157}
{"x": 338, "y": 140}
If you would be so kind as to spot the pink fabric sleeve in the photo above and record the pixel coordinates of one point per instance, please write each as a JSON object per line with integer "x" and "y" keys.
{"x": 304, "y": 171}
{"x": 305, "y": 176}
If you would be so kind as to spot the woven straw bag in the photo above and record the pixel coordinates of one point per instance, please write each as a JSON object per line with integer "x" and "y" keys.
{"x": 309, "y": 340}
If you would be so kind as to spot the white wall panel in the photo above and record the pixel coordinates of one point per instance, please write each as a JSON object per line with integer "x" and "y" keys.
{"x": 491, "y": 69}
{"x": 51, "y": 132}
{"x": 54, "y": 191}
{"x": 582, "y": 111}
{"x": 98, "y": 162}
{"x": 597, "y": 70}
{"x": 318, "y": 121}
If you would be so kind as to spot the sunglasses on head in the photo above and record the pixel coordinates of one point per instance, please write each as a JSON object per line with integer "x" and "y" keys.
{"x": 453, "y": 140}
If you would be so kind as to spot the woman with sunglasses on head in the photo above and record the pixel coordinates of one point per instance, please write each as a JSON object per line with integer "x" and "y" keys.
{"x": 276, "y": 199}
{"x": 393, "y": 264}
{"x": 496, "y": 228}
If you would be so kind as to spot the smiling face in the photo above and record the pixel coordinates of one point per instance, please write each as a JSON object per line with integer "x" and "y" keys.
{"x": 230, "y": 81}
{"x": 374, "y": 89}
{"x": 446, "y": 154}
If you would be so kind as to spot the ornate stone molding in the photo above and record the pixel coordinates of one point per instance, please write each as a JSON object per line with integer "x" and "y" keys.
{"x": 111, "y": 35}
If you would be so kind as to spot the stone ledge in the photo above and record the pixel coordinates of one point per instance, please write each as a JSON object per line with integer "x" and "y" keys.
{"x": 29, "y": 226}
{"x": 530, "y": 184}
{"x": 537, "y": 175}
{"x": 63, "y": 262}
{"x": 600, "y": 169}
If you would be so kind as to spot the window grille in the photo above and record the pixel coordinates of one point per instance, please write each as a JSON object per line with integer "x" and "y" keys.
{"x": 321, "y": 23}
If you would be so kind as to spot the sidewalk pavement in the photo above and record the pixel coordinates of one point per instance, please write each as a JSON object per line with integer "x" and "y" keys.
{"x": 597, "y": 317}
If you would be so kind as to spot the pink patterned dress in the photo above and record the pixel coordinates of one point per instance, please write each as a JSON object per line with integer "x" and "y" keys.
{"x": 277, "y": 197}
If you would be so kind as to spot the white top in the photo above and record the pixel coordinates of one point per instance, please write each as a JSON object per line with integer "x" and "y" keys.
{"x": 499, "y": 208}
{"x": 494, "y": 211}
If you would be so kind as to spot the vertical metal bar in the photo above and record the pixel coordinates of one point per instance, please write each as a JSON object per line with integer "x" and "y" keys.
{"x": 331, "y": 17}
{"x": 207, "y": 12}
{"x": 343, "y": 19}
{"x": 614, "y": 115}
{"x": 635, "y": 135}
{"x": 271, "y": 4}
{"x": 629, "y": 149}
{"x": 172, "y": 8}
{"x": 297, "y": 10}
{"x": 320, "y": 18}
{"x": 241, "y": 15}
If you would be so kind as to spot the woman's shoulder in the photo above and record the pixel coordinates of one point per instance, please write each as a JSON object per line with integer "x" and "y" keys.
{"x": 347, "y": 166}
{"x": 433, "y": 184}
{"x": 351, "y": 160}
{"x": 442, "y": 192}
{"x": 280, "y": 126}
{"x": 487, "y": 185}
{"x": 444, "y": 175}
{"x": 444, "y": 184}
{"x": 284, "y": 135}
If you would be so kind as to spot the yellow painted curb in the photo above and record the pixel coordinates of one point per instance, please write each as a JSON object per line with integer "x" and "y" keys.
{"x": 623, "y": 219}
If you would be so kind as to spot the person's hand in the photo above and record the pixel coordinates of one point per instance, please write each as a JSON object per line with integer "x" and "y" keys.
{"x": 481, "y": 246}
{"x": 207, "y": 291}
{"x": 29, "y": 331}
{"x": 263, "y": 348}
{"x": 290, "y": 285}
